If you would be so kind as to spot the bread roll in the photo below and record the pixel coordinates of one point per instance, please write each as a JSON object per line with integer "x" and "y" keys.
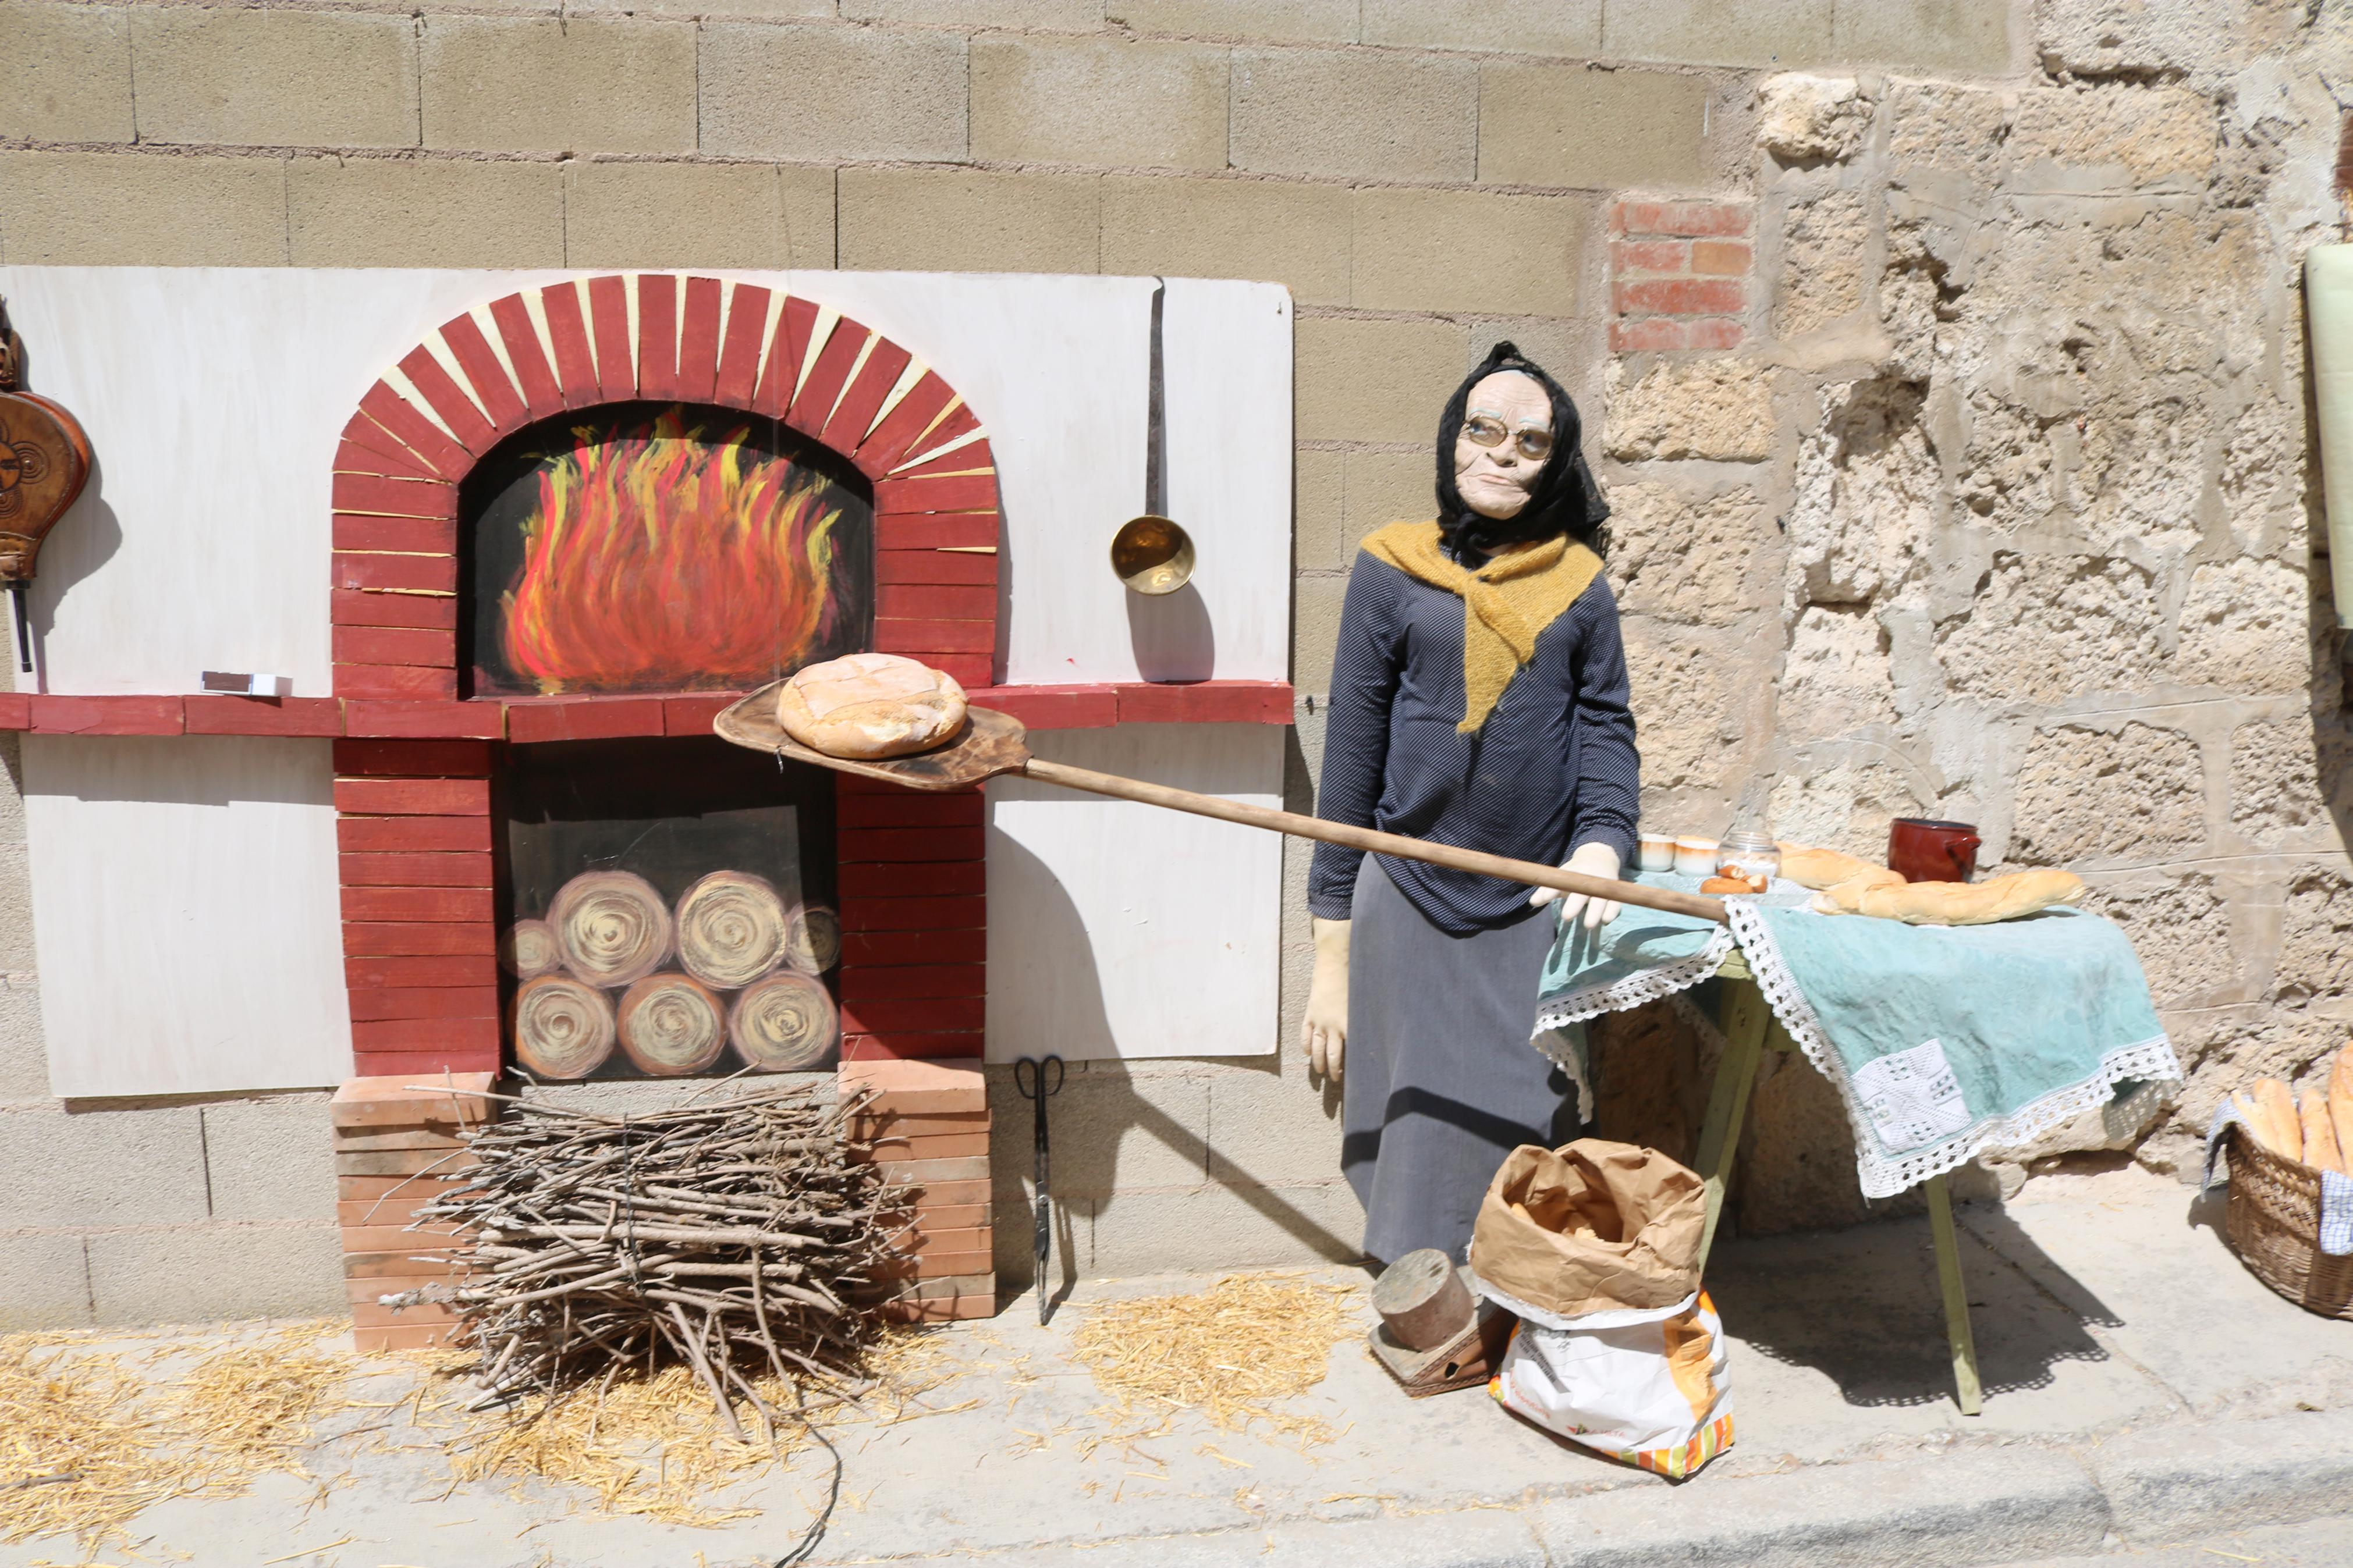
{"x": 2340, "y": 1104}
{"x": 870, "y": 705}
{"x": 1952, "y": 903}
{"x": 2277, "y": 1120}
{"x": 2321, "y": 1151}
{"x": 1818, "y": 868}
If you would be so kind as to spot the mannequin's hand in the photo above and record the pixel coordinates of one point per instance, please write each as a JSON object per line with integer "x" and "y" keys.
{"x": 1324, "y": 1030}
{"x": 1594, "y": 860}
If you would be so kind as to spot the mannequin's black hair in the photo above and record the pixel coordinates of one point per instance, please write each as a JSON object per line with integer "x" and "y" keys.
{"x": 1564, "y": 499}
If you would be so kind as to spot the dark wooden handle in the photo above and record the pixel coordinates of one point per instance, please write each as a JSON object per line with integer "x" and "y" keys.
{"x": 1528, "y": 871}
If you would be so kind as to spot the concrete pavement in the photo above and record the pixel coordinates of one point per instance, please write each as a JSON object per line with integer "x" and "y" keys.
{"x": 2143, "y": 1392}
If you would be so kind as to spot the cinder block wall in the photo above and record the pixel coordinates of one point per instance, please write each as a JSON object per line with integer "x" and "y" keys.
{"x": 1893, "y": 522}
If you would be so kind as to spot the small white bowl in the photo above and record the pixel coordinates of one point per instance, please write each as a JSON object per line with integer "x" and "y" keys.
{"x": 1696, "y": 856}
{"x": 1656, "y": 852}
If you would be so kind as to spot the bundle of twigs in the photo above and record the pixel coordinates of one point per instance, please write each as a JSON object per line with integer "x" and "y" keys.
{"x": 737, "y": 1236}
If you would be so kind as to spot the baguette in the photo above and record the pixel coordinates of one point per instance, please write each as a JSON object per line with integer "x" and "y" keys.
{"x": 2282, "y": 1132}
{"x": 2340, "y": 1104}
{"x": 1810, "y": 866}
{"x": 1952, "y": 903}
{"x": 2321, "y": 1151}
{"x": 2253, "y": 1115}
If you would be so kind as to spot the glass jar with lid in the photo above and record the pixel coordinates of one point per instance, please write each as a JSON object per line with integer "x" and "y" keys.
{"x": 1748, "y": 853}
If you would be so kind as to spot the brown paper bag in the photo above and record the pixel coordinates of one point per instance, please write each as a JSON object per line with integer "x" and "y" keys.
{"x": 1593, "y": 1227}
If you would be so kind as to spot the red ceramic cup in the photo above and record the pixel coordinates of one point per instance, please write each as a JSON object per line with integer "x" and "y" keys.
{"x": 1920, "y": 850}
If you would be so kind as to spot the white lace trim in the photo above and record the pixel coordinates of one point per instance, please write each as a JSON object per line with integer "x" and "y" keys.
{"x": 1883, "y": 1176}
{"x": 1633, "y": 990}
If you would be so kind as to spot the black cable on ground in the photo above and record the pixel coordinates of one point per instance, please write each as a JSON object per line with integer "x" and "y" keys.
{"x": 816, "y": 1532}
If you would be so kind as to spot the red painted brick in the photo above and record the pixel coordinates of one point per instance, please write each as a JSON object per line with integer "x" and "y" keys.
{"x": 217, "y": 715}
{"x": 1052, "y": 707}
{"x": 488, "y": 378}
{"x": 415, "y": 870}
{"x": 51, "y": 715}
{"x": 356, "y": 607}
{"x": 972, "y": 457}
{"x": 1206, "y": 702}
{"x": 403, "y": 535}
{"x": 657, "y": 335}
{"x": 905, "y": 1044}
{"x": 608, "y": 318}
{"x": 738, "y": 379}
{"x": 414, "y": 759}
{"x": 396, "y": 498}
{"x": 403, "y": 938}
{"x": 927, "y": 1013}
{"x": 568, "y": 332}
{"x": 1650, "y": 256}
{"x": 813, "y": 403}
{"x": 1657, "y": 334}
{"x": 1679, "y": 296}
{"x": 934, "y": 566}
{"x": 969, "y": 669}
{"x": 394, "y": 683}
{"x": 541, "y": 393}
{"x": 914, "y": 984}
{"x": 935, "y": 601}
{"x": 869, "y": 949}
{"x": 412, "y": 797}
{"x": 891, "y": 441}
{"x": 416, "y": 833}
{"x": 16, "y": 709}
{"x": 1721, "y": 257}
{"x": 450, "y": 720}
{"x": 937, "y": 492}
{"x": 915, "y": 914}
{"x": 920, "y": 637}
{"x": 416, "y": 573}
{"x": 863, "y": 399}
{"x": 1694, "y": 218}
{"x": 958, "y": 419}
{"x": 469, "y": 971}
{"x": 417, "y": 433}
{"x": 698, "y": 340}
{"x": 937, "y": 531}
{"x": 425, "y": 1034}
{"x": 912, "y": 809}
{"x": 583, "y": 718}
{"x": 457, "y": 410}
{"x": 786, "y": 350}
{"x": 352, "y": 457}
{"x": 1715, "y": 332}
{"x": 421, "y": 1065}
{"x": 426, "y": 1001}
{"x": 880, "y": 844}
{"x": 692, "y": 715}
{"x": 417, "y": 904}
{"x": 395, "y": 645}
{"x": 912, "y": 880}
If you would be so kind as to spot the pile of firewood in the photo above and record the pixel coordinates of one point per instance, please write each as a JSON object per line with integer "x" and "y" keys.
{"x": 741, "y": 1236}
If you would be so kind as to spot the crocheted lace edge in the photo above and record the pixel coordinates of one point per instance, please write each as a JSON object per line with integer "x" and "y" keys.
{"x": 1633, "y": 990}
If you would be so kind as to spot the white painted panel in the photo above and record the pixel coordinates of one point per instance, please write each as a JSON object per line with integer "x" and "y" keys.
{"x": 185, "y": 911}
{"x": 214, "y": 397}
{"x": 1119, "y": 929}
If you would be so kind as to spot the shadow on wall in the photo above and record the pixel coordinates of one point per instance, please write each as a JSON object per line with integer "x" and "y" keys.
{"x": 1125, "y": 1151}
{"x": 84, "y": 540}
{"x": 1171, "y": 635}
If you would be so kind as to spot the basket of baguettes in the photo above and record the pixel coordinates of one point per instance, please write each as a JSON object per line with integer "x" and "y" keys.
{"x": 2278, "y": 1149}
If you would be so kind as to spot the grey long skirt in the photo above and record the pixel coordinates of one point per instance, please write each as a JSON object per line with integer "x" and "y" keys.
{"x": 1439, "y": 1080}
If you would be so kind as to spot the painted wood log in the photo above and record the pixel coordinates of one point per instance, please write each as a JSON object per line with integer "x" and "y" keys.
{"x": 786, "y": 1023}
{"x": 561, "y": 1028}
{"x": 528, "y": 948}
{"x": 814, "y": 945}
{"x": 671, "y": 1024}
{"x": 732, "y": 930}
{"x": 1423, "y": 1300}
{"x": 611, "y": 927}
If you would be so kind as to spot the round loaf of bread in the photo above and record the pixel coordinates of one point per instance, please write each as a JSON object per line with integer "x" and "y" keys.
{"x": 870, "y": 705}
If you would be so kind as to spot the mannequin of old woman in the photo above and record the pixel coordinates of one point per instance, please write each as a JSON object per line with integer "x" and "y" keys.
{"x": 1495, "y": 620}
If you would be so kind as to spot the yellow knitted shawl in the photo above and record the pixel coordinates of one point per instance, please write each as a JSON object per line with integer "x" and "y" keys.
{"x": 1506, "y": 603}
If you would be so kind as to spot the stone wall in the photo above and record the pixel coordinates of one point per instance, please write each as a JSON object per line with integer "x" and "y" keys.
{"x": 1982, "y": 488}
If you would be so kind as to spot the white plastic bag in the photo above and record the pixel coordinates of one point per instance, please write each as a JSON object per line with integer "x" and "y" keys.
{"x": 1647, "y": 1387}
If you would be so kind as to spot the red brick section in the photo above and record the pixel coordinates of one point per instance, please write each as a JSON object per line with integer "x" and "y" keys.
{"x": 1679, "y": 274}
{"x": 914, "y": 913}
{"x": 929, "y": 1123}
{"x": 395, "y": 1142}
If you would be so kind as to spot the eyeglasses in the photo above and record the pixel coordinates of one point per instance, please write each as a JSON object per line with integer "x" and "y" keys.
{"x": 1532, "y": 441}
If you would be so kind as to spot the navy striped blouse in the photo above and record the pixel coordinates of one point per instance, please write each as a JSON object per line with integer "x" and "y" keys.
{"x": 1554, "y": 766}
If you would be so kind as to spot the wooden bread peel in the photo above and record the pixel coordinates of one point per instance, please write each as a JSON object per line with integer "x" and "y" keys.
{"x": 994, "y": 744}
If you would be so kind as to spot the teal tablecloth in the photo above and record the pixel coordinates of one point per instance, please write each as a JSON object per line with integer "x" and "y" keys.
{"x": 1942, "y": 1040}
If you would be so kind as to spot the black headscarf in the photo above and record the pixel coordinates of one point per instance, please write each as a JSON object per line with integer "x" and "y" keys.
{"x": 1564, "y": 499}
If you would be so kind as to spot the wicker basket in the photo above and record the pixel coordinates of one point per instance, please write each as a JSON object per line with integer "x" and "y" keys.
{"x": 2274, "y": 1227}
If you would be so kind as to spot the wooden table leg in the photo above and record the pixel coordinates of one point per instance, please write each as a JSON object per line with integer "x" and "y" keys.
{"x": 1746, "y": 1016}
{"x": 1967, "y": 1390}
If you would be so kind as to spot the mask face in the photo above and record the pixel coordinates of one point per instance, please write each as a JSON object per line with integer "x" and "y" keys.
{"x": 1505, "y": 440}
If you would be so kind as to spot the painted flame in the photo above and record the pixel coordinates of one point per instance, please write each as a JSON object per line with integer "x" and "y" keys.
{"x": 658, "y": 559}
